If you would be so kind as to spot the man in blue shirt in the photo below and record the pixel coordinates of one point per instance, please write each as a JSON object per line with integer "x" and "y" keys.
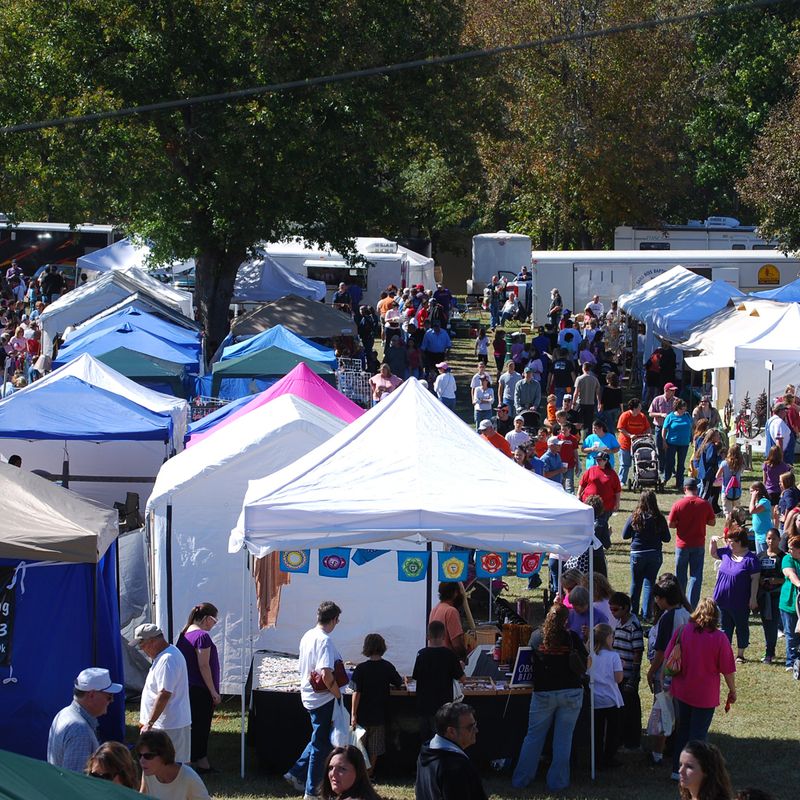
{"x": 551, "y": 460}
{"x": 73, "y": 736}
{"x": 435, "y": 345}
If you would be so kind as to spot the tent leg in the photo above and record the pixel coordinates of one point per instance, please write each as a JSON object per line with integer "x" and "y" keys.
{"x": 591, "y": 653}
{"x": 245, "y": 638}
{"x": 428, "y": 589}
{"x": 168, "y": 559}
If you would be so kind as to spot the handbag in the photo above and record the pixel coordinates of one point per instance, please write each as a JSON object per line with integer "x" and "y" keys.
{"x": 672, "y": 666}
{"x": 577, "y": 663}
{"x": 339, "y": 675}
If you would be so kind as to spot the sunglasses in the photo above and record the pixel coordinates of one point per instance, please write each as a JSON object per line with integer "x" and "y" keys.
{"x": 106, "y": 776}
{"x": 148, "y": 756}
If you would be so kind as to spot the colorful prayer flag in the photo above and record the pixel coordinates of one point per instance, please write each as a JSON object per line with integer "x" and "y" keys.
{"x": 334, "y": 562}
{"x": 294, "y": 560}
{"x": 489, "y": 565}
{"x": 412, "y": 565}
{"x": 453, "y": 566}
{"x": 529, "y": 564}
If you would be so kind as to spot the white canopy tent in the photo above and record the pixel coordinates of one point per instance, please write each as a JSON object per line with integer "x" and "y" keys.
{"x": 661, "y": 290}
{"x": 779, "y": 344}
{"x": 96, "y": 296}
{"x": 714, "y": 339}
{"x": 125, "y": 254}
{"x": 350, "y": 491}
{"x": 196, "y": 500}
{"x": 264, "y": 279}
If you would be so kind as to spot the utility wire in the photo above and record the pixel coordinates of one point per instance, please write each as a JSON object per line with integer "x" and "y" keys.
{"x": 169, "y": 105}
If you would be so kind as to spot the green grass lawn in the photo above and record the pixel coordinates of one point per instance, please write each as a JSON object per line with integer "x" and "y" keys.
{"x": 759, "y": 737}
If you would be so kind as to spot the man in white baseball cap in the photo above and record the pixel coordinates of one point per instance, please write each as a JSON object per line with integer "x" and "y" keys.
{"x": 73, "y": 734}
{"x": 165, "y": 695}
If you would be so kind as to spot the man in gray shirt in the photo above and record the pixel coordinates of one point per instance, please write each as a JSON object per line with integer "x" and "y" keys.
{"x": 587, "y": 396}
{"x": 73, "y": 734}
{"x": 527, "y": 393}
{"x": 507, "y": 384}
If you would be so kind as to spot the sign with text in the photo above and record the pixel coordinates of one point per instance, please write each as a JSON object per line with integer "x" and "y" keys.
{"x": 7, "y": 613}
{"x": 522, "y": 674}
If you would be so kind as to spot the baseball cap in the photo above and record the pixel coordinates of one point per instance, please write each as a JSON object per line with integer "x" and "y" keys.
{"x": 568, "y": 397}
{"x": 146, "y": 631}
{"x": 670, "y": 386}
{"x": 528, "y": 369}
{"x": 519, "y": 417}
{"x": 96, "y": 679}
{"x": 690, "y": 483}
{"x": 485, "y": 425}
{"x": 554, "y": 440}
{"x": 443, "y": 365}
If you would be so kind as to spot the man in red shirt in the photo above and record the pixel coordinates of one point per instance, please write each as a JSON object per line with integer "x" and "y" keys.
{"x": 488, "y": 432}
{"x": 690, "y": 516}
{"x": 451, "y": 598}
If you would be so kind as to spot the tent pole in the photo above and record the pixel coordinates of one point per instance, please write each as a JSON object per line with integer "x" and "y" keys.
{"x": 94, "y": 611}
{"x": 591, "y": 655}
{"x": 168, "y": 549}
{"x": 428, "y": 589}
{"x": 246, "y": 634}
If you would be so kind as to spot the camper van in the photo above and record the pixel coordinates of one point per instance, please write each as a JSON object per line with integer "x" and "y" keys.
{"x": 386, "y": 262}
{"x": 714, "y": 233}
{"x": 579, "y": 274}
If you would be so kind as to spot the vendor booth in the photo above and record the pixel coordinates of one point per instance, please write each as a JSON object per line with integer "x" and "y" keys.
{"x": 300, "y": 382}
{"x": 350, "y": 499}
{"x": 92, "y": 429}
{"x": 58, "y": 606}
{"x": 196, "y": 501}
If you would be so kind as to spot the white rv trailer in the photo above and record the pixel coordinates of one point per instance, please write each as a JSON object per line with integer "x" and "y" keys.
{"x": 714, "y": 233}
{"x": 579, "y": 274}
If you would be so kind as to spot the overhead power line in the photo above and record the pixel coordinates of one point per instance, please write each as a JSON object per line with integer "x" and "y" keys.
{"x": 389, "y": 69}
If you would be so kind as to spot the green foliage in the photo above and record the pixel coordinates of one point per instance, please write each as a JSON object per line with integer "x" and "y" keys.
{"x": 742, "y": 64}
{"x": 213, "y": 180}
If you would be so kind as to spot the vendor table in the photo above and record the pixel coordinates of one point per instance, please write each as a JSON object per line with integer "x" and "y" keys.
{"x": 279, "y": 727}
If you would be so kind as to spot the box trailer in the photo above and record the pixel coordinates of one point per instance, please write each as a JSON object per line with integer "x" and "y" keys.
{"x": 386, "y": 262}
{"x": 502, "y": 254}
{"x": 580, "y": 274}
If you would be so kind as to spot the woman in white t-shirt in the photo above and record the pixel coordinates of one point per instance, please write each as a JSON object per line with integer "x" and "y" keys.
{"x": 161, "y": 776}
{"x": 483, "y": 399}
{"x": 605, "y": 668}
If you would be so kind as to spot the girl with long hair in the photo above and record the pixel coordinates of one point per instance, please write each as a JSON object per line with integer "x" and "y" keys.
{"x": 112, "y": 761}
{"x": 761, "y": 513}
{"x": 707, "y": 457}
{"x": 648, "y": 531}
{"x": 345, "y": 776}
{"x": 729, "y": 479}
{"x": 774, "y": 466}
{"x": 703, "y": 774}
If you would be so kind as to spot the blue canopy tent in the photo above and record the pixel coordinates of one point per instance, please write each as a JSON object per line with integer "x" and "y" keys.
{"x": 58, "y": 590}
{"x": 285, "y": 339}
{"x": 130, "y": 338}
{"x": 680, "y": 311}
{"x": 140, "y": 320}
{"x": 784, "y": 294}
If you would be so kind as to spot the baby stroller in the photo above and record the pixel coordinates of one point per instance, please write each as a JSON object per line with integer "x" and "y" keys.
{"x": 530, "y": 422}
{"x": 644, "y": 464}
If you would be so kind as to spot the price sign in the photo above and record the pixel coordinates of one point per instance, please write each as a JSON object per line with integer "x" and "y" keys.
{"x": 7, "y": 612}
{"x": 523, "y": 668}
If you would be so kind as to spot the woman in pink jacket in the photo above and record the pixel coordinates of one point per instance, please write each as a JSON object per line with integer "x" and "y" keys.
{"x": 705, "y": 655}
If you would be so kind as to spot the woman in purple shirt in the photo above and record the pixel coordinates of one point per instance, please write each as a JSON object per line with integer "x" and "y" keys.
{"x": 202, "y": 666}
{"x": 736, "y": 592}
{"x": 774, "y": 467}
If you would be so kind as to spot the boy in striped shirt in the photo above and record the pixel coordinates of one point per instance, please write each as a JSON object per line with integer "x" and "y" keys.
{"x": 629, "y": 643}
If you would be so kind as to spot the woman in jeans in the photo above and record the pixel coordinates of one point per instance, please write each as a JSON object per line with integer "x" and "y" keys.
{"x": 559, "y": 665}
{"x": 677, "y": 434}
{"x": 647, "y": 529}
{"x": 788, "y": 601}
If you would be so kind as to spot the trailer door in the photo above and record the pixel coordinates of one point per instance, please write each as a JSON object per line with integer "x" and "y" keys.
{"x": 607, "y": 280}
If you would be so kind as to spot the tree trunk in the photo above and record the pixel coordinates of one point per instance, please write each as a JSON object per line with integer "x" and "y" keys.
{"x": 215, "y": 274}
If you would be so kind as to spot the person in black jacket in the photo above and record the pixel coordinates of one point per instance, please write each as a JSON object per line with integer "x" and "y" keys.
{"x": 444, "y": 770}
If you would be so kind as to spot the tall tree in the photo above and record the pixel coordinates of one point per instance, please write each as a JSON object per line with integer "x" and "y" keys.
{"x": 772, "y": 183}
{"x": 741, "y": 63}
{"x": 594, "y": 124}
{"x": 211, "y": 180}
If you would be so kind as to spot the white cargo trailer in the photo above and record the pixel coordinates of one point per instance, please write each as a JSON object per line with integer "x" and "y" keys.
{"x": 579, "y": 274}
{"x": 502, "y": 254}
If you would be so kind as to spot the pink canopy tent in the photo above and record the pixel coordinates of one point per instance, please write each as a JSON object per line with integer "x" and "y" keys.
{"x": 300, "y": 382}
